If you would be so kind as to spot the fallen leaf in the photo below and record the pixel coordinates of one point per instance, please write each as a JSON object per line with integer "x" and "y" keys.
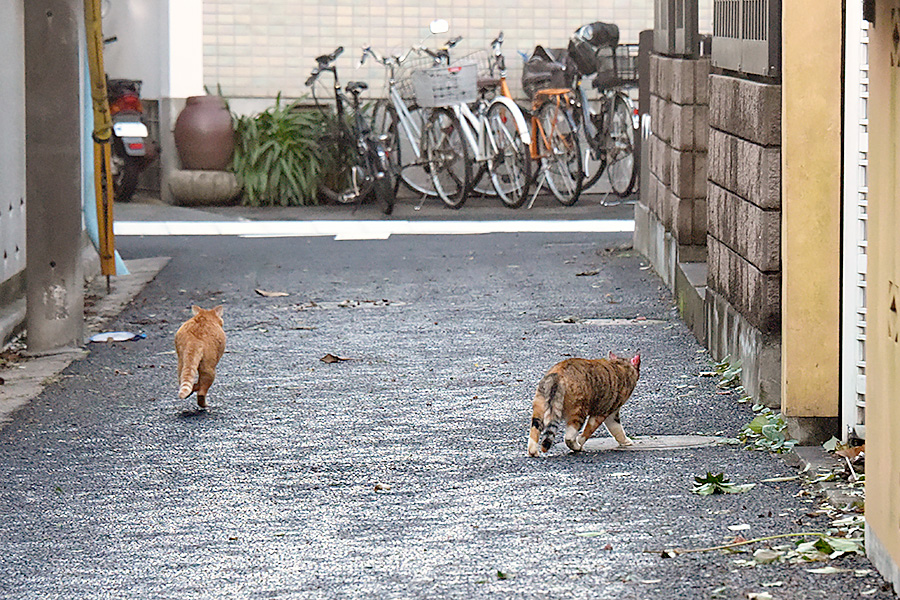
{"x": 827, "y": 570}
{"x": 267, "y": 294}
{"x": 759, "y": 596}
{"x": 382, "y": 487}
{"x": 589, "y": 273}
{"x": 331, "y": 358}
{"x": 590, "y": 534}
{"x": 765, "y": 556}
{"x": 851, "y": 453}
{"x": 608, "y": 546}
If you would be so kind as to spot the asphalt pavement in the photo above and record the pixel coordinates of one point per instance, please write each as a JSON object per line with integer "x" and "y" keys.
{"x": 400, "y": 471}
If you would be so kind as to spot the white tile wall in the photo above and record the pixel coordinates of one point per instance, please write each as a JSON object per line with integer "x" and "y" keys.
{"x": 257, "y": 49}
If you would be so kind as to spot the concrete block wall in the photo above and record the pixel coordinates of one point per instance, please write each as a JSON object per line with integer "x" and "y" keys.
{"x": 743, "y": 295}
{"x": 744, "y": 199}
{"x": 678, "y": 146}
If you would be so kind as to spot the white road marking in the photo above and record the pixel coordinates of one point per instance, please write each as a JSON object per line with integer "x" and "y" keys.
{"x": 364, "y": 230}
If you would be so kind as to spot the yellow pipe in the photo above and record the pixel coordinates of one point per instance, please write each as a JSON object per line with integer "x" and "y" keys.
{"x": 103, "y": 183}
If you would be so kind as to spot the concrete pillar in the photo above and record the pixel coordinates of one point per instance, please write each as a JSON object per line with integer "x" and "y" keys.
{"x": 811, "y": 207}
{"x": 55, "y": 285}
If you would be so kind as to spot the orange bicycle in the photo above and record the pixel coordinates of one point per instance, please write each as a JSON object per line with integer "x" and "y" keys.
{"x": 554, "y": 145}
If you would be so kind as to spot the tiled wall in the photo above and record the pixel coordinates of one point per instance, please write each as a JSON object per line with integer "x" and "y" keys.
{"x": 260, "y": 48}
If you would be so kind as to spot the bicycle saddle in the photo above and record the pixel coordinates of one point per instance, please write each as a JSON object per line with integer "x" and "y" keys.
{"x": 355, "y": 87}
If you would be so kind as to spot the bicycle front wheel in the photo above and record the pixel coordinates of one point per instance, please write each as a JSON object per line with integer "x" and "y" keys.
{"x": 561, "y": 158}
{"x": 447, "y": 157}
{"x": 384, "y": 184}
{"x": 622, "y": 167}
{"x": 511, "y": 164}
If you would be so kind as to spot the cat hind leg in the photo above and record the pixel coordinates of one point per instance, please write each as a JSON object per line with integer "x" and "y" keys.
{"x": 204, "y": 382}
{"x": 590, "y": 427}
{"x": 543, "y": 426}
{"x": 614, "y": 426}
{"x": 572, "y": 436}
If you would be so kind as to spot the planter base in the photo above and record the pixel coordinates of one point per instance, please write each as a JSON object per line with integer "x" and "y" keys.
{"x": 193, "y": 188}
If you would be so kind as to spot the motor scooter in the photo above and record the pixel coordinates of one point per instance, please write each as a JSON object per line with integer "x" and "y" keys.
{"x": 132, "y": 149}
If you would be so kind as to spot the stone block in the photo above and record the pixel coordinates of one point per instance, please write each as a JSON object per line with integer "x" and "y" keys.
{"x": 654, "y": 74}
{"x": 751, "y": 232}
{"x": 660, "y": 161}
{"x": 683, "y": 81}
{"x": 746, "y": 109}
{"x": 699, "y": 217}
{"x": 192, "y": 188}
{"x": 701, "y": 81}
{"x": 755, "y": 294}
{"x": 683, "y": 220}
{"x": 746, "y": 169}
{"x": 690, "y": 126}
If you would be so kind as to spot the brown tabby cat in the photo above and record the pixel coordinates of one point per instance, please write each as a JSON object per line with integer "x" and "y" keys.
{"x": 199, "y": 343}
{"x": 583, "y": 392}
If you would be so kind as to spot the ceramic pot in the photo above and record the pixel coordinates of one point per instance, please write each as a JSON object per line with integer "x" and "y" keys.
{"x": 204, "y": 134}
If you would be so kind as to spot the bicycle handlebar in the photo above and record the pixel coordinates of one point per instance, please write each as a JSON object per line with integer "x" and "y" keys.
{"x": 323, "y": 64}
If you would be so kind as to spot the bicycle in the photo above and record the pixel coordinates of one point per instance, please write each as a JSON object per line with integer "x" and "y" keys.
{"x": 607, "y": 124}
{"x": 456, "y": 135}
{"x": 362, "y": 158}
{"x": 512, "y": 160}
{"x": 554, "y": 144}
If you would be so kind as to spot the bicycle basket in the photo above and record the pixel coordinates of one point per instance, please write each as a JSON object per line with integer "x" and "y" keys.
{"x": 547, "y": 69}
{"x": 446, "y": 86}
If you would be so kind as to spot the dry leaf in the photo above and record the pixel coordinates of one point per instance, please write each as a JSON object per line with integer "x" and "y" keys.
{"x": 589, "y": 273}
{"x": 267, "y": 294}
{"x": 331, "y": 358}
{"x": 851, "y": 453}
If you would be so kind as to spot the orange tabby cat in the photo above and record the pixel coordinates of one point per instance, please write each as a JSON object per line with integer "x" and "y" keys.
{"x": 199, "y": 343}
{"x": 582, "y": 392}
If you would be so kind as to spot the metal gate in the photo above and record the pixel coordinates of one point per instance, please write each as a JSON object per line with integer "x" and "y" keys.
{"x": 854, "y": 251}
{"x": 747, "y": 36}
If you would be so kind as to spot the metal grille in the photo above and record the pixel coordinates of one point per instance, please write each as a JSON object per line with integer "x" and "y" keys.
{"x": 855, "y": 250}
{"x": 747, "y": 36}
{"x": 675, "y": 27}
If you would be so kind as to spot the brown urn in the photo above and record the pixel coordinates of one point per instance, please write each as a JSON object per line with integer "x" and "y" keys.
{"x": 204, "y": 134}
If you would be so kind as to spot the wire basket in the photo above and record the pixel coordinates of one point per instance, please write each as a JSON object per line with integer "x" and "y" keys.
{"x": 446, "y": 85}
{"x": 482, "y": 59}
{"x": 626, "y": 64}
{"x": 403, "y": 77}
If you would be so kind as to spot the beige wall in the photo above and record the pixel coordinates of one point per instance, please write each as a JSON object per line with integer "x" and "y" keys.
{"x": 260, "y": 48}
{"x": 882, "y": 345}
{"x": 811, "y": 207}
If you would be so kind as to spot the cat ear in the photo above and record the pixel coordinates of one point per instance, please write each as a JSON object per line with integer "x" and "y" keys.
{"x": 636, "y": 361}
{"x": 219, "y": 310}
{"x": 195, "y": 309}
{"x": 612, "y": 356}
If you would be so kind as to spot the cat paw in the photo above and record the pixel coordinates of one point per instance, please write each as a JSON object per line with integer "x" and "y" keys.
{"x": 575, "y": 445}
{"x": 625, "y": 441}
{"x": 534, "y": 449}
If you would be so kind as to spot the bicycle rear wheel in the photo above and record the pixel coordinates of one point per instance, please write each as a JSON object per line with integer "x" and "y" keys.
{"x": 447, "y": 157}
{"x": 510, "y": 167}
{"x": 347, "y": 180}
{"x": 561, "y": 158}
{"x": 594, "y": 161}
{"x": 622, "y": 167}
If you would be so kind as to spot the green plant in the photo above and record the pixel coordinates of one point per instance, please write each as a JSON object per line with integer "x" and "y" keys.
{"x": 277, "y": 155}
{"x": 766, "y": 431}
{"x": 718, "y": 484}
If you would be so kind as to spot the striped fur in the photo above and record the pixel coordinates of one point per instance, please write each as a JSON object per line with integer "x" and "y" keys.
{"x": 199, "y": 343}
{"x": 583, "y": 393}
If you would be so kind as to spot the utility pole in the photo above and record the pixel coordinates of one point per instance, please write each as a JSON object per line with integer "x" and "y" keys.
{"x": 55, "y": 283}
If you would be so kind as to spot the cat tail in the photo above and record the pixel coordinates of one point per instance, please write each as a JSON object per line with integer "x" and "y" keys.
{"x": 188, "y": 373}
{"x": 552, "y": 391}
